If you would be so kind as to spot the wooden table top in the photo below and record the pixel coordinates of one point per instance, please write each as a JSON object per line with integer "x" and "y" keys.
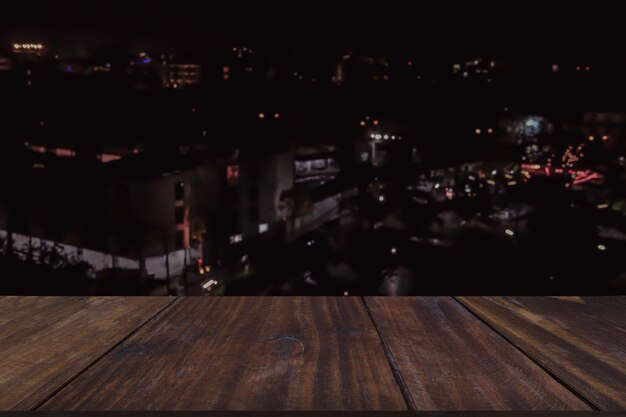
{"x": 313, "y": 353}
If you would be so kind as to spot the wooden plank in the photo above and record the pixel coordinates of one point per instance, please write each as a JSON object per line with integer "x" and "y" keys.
{"x": 45, "y": 341}
{"x": 449, "y": 360}
{"x": 244, "y": 353}
{"x": 304, "y": 413}
{"x": 581, "y": 340}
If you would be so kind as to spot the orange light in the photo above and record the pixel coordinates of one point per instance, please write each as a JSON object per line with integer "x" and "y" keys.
{"x": 490, "y": 130}
{"x": 478, "y": 131}
{"x": 261, "y": 115}
{"x": 591, "y": 138}
{"x": 362, "y": 123}
{"x": 376, "y": 122}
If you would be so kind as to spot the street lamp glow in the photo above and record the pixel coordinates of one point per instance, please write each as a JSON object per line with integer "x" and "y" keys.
{"x": 509, "y": 232}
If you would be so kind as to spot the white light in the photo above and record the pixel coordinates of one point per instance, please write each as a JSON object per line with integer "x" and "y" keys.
{"x": 381, "y": 198}
{"x": 373, "y": 136}
{"x": 437, "y": 186}
{"x": 345, "y": 293}
{"x": 236, "y": 239}
{"x": 310, "y": 243}
{"x": 386, "y": 137}
{"x": 263, "y": 227}
{"x": 509, "y": 232}
{"x": 601, "y": 248}
{"x": 394, "y": 251}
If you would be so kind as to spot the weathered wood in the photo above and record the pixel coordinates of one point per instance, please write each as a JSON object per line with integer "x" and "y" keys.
{"x": 45, "y": 341}
{"x": 581, "y": 340}
{"x": 304, "y": 413}
{"x": 450, "y": 360}
{"x": 244, "y": 353}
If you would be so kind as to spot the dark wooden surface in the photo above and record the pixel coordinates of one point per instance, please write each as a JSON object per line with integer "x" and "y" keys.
{"x": 289, "y": 353}
{"x": 45, "y": 341}
{"x": 451, "y": 361}
{"x": 313, "y": 353}
{"x": 580, "y": 340}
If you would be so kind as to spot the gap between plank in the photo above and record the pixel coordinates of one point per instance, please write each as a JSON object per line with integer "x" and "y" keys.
{"x": 395, "y": 369}
{"x": 535, "y": 361}
{"x": 99, "y": 357}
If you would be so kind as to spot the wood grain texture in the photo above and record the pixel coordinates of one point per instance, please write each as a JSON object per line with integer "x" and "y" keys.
{"x": 581, "y": 340}
{"x": 45, "y": 341}
{"x": 449, "y": 360}
{"x": 244, "y": 353}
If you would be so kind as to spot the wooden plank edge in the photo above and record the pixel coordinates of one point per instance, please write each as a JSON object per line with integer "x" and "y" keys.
{"x": 72, "y": 378}
{"x": 536, "y": 361}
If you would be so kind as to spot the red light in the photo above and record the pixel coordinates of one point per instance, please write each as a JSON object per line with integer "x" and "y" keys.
{"x": 276, "y": 115}
{"x": 232, "y": 174}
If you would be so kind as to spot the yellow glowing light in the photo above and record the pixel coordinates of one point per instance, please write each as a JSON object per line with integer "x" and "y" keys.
{"x": 478, "y": 131}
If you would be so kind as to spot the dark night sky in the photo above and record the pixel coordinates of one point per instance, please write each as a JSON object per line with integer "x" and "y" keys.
{"x": 441, "y": 28}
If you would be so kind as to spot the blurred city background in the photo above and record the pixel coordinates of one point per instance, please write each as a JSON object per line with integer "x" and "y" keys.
{"x": 142, "y": 153}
